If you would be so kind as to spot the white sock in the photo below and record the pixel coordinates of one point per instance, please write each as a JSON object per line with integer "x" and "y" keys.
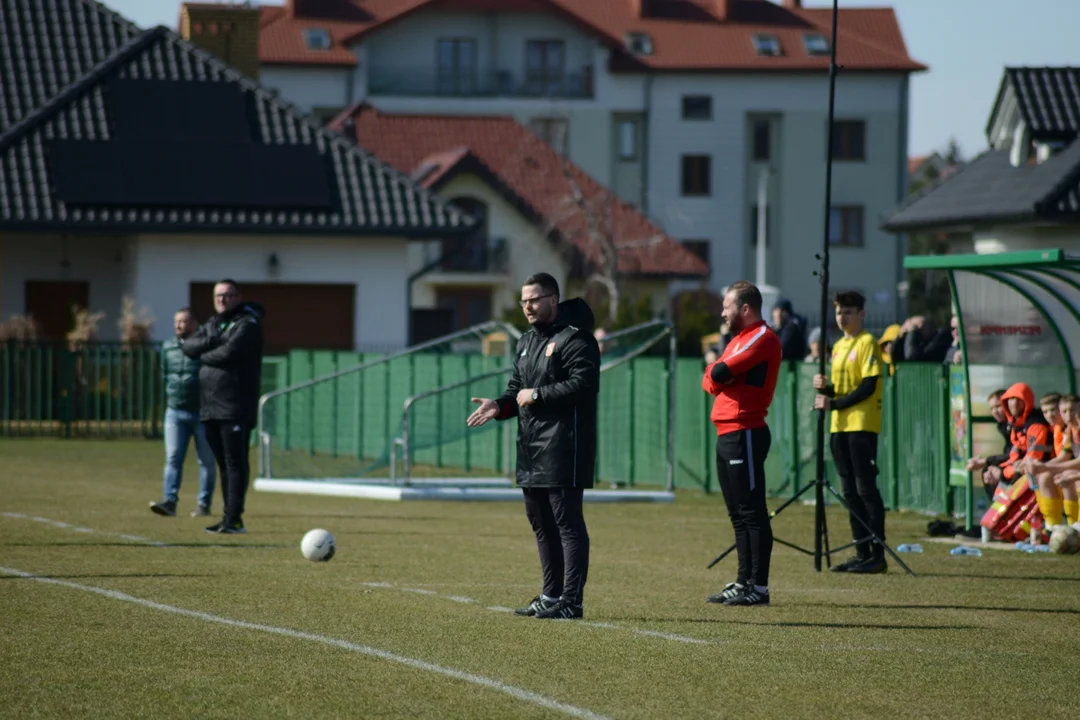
{"x": 546, "y": 598}
{"x": 763, "y": 589}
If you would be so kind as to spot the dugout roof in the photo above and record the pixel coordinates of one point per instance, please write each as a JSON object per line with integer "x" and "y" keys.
{"x": 1016, "y": 309}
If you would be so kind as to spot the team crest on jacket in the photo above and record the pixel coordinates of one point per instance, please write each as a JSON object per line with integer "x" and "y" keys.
{"x": 550, "y": 349}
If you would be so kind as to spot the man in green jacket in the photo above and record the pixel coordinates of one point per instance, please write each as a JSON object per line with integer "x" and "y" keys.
{"x": 181, "y": 376}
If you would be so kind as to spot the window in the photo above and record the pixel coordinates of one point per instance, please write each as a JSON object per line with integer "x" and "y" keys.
{"x": 468, "y": 306}
{"x": 846, "y": 226}
{"x": 816, "y": 44}
{"x": 768, "y": 45}
{"x": 762, "y": 141}
{"x": 697, "y": 107}
{"x": 456, "y": 66}
{"x": 849, "y": 140}
{"x": 552, "y": 130}
{"x": 317, "y": 38}
{"x": 696, "y": 175}
{"x": 628, "y": 140}
{"x": 639, "y": 43}
{"x": 544, "y": 66}
{"x": 754, "y": 226}
{"x": 700, "y": 248}
{"x": 468, "y": 254}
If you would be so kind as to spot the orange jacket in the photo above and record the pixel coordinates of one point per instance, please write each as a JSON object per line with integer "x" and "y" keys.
{"x": 1029, "y": 433}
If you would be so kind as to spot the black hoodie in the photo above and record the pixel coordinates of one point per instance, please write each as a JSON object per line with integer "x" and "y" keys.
{"x": 230, "y": 348}
{"x": 557, "y": 433}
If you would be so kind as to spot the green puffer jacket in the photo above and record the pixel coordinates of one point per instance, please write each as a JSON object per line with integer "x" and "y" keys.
{"x": 181, "y": 375}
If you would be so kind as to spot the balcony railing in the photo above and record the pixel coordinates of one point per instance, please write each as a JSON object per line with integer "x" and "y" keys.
{"x": 476, "y": 256}
{"x": 431, "y": 82}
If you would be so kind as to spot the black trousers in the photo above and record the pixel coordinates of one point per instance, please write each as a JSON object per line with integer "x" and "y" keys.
{"x": 740, "y": 467}
{"x": 559, "y": 524}
{"x": 855, "y": 455}
{"x": 229, "y": 440}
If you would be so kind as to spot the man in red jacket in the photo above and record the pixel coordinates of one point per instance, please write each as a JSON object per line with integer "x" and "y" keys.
{"x": 743, "y": 381}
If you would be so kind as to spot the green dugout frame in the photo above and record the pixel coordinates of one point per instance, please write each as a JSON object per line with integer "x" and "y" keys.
{"x": 1048, "y": 280}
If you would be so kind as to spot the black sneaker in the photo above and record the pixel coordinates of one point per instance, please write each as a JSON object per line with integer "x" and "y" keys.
{"x": 538, "y": 604}
{"x": 871, "y": 566}
{"x": 730, "y": 590}
{"x": 233, "y": 528}
{"x": 201, "y": 511}
{"x": 749, "y": 596}
{"x": 164, "y": 507}
{"x": 562, "y": 610}
{"x": 849, "y": 563}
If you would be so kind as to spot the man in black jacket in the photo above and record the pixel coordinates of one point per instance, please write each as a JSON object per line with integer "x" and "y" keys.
{"x": 230, "y": 347}
{"x": 553, "y": 392}
{"x": 991, "y": 466}
{"x": 791, "y": 329}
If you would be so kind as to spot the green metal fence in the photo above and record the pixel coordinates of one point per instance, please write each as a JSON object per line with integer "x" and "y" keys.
{"x": 109, "y": 390}
{"x": 48, "y": 389}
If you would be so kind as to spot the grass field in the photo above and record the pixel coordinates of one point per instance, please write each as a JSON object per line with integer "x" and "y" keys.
{"x": 110, "y": 611}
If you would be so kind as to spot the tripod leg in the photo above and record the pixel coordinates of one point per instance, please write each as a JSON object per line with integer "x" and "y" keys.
{"x": 869, "y": 530}
{"x": 773, "y": 514}
{"x": 720, "y": 557}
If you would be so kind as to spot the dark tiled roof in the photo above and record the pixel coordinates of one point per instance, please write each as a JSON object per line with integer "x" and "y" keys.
{"x": 1048, "y": 99}
{"x": 363, "y": 196}
{"x": 990, "y": 190}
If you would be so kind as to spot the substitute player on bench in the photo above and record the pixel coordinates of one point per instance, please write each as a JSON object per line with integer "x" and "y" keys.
{"x": 743, "y": 381}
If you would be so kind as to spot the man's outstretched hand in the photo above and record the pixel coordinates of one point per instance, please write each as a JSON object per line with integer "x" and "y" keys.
{"x": 488, "y": 410}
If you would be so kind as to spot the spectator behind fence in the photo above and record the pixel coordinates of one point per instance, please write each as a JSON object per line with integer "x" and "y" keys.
{"x": 922, "y": 343}
{"x": 813, "y": 342}
{"x": 181, "y": 378}
{"x": 992, "y": 466}
{"x": 790, "y": 328}
{"x": 887, "y": 341}
{"x": 230, "y": 347}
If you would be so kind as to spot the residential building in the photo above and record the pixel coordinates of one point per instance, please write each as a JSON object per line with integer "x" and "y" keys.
{"x": 923, "y": 169}
{"x": 1023, "y": 192}
{"x": 678, "y": 106}
{"x": 535, "y": 209}
{"x": 135, "y": 165}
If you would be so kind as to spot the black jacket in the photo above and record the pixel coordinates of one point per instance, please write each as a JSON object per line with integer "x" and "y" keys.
{"x": 793, "y": 338}
{"x": 934, "y": 348}
{"x": 230, "y": 348}
{"x": 556, "y": 444}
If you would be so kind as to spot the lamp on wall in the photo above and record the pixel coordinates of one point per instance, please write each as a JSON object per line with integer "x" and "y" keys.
{"x": 273, "y": 264}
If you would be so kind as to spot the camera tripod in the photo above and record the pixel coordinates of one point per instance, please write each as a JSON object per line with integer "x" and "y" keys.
{"x": 820, "y": 484}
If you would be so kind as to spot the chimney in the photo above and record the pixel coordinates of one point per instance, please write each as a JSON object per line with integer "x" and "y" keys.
{"x": 793, "y": 4}
{"x": 722, "y": 9}
{"x": 228, "y": 31}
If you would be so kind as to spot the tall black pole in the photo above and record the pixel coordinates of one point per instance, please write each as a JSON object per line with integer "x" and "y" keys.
{"x": 819, "y": 499}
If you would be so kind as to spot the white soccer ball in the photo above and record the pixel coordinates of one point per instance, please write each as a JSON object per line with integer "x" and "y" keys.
{"x": 318, "y": 545}
{"x": 1064, "y": 539}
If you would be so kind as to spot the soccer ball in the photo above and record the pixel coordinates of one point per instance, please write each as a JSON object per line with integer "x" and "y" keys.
{"x": 1064, "y": 539}
{"x": 318, "y": 545}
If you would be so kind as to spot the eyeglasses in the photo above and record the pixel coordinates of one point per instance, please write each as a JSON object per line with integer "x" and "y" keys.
{"x": 535, "y": 300}
{"x": 226, "y": 296}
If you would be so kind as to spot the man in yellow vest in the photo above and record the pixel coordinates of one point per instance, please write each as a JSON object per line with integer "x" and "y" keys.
{"x": 854, "y": 397}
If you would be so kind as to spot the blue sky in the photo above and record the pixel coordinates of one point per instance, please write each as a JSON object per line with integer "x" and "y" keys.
{"x": 966, "y": 43}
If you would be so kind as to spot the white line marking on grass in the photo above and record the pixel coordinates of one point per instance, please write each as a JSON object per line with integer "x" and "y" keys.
{"x": 514, "y": 692}
{"x": 590, "y": 623}
{"x": 76, "y": 528}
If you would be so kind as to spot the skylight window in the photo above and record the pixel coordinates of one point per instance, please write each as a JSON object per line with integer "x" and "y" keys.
{"x": 816, "y": 44}
{"x": 317, "y": 38}
{"x": 639, "y": 43}
{"x": 768, "y": 45}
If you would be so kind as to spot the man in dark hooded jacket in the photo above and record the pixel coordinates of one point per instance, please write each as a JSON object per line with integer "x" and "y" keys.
{"x": 553, "y": 393}
{"x": 229, "y": 346}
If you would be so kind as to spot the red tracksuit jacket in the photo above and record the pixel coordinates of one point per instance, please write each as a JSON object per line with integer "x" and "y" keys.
{"x": 753, "y": 358}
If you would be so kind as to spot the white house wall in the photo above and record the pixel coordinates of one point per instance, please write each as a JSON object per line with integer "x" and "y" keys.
{"x": 98, "y": 260}
{"x": 530, "y": 251}
{"x": 1036, "y": 237}
{"x": 166, "y": 265}
{"x": 310, "y": 88}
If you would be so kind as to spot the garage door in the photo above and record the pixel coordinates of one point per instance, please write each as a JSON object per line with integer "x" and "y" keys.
{"x": 298, "y": 315}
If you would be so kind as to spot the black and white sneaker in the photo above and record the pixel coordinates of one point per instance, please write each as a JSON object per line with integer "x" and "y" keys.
{"x": 849, "y": 563}
{"x": 872, "y": 566}
{"x": 749, "y": 596}
{"x": 164, "y": 507}
{"x": 730, "y": 590}
{"x": 226, "y": 528}
{"x": 562, "y": 610}
{"x": 537, "y": 604}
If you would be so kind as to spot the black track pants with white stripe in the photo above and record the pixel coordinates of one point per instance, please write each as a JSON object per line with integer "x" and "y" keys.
{"x": 740, "y": 466}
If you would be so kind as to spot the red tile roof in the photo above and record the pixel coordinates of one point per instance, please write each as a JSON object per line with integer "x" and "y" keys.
{"x": 530, "y": 173}
{"x": 687, "y": 35}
